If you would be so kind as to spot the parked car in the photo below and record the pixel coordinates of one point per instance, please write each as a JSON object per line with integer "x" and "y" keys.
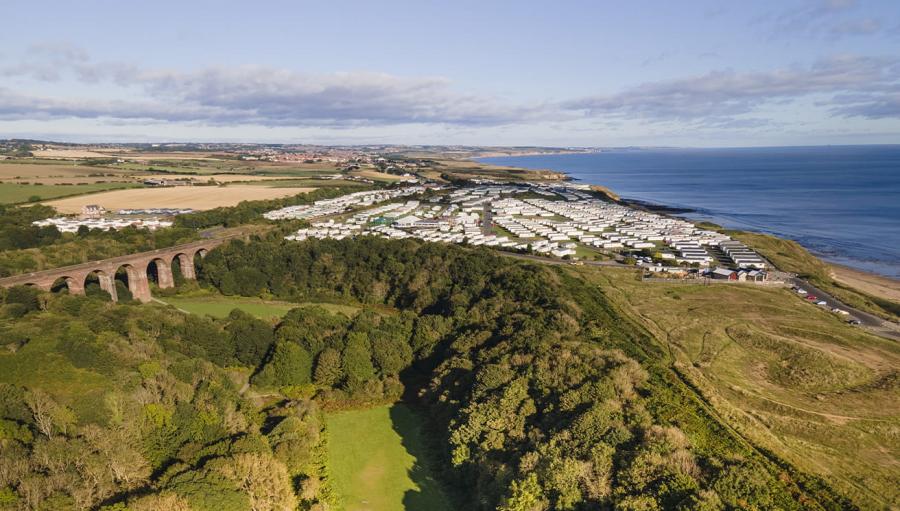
{"x": 854, "y": 322}
{"x": 821, "y": 302}
{"x": 801, "y": 291}
{"x": 811, "y": 297}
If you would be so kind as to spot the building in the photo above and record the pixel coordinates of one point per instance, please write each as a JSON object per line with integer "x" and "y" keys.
{"x": 723, "y": 274}
{"x": 92, "y": 211}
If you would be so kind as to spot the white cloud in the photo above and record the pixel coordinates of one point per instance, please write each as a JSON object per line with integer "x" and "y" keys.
{"x": 728, "y": 93}
{"x": 844, "y": 86}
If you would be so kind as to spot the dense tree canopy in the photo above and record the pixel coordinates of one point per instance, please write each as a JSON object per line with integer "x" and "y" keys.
{"x": 539, "y": 394}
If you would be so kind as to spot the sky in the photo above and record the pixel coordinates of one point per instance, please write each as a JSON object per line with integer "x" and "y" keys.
{"x": 596, "y": 73}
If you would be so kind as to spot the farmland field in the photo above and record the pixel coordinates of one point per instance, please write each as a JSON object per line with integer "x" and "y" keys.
{"x": 377, "y": 176}
{"x": 13, "y": 193}
{"x": 788, "y": 375}
{"x": 195, "y": 197}
{"x": 291, "y": 183}
{"x": 68, "y": 153}
{"x": 37, "y": 172}
{"x": 377, "y": 461}
{"x": 220, "y": 178}
{"x": 220, "y": 306}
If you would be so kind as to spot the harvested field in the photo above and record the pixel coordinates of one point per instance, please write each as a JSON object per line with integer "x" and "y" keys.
{"x": 196, "y": 197}
{"x": 13, "y": 193}
{"x": 378, "y": 176}
{"x": 160, "y": 156}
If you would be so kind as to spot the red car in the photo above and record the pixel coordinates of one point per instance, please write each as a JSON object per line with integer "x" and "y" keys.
{"x": 811, "y": 297}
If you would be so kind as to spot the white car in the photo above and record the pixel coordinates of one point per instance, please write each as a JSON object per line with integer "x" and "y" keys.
{"x": 801, "y": 291}
{"x": 821, "y": 302}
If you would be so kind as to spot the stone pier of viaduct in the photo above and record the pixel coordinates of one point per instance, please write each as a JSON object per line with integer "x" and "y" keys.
{"x": 135, "y": 266}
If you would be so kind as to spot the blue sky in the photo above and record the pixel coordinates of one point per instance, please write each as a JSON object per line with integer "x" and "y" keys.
{"x": 565, "y": 73}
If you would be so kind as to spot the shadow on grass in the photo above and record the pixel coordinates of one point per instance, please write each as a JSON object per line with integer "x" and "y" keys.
{"x": 431, "y": 493}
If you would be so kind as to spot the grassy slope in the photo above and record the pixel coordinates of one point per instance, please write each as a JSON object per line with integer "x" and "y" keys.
{"x": 11, "y": 193}
{"x": 376, "y": 461}
{"x": 792, "y": 378}
{"x": 220, "y": 306}
{"x": 790, "y": 256}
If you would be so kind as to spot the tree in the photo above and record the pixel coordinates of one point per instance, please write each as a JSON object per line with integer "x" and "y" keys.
{"x": 264, "y": 479}
{"x": 390, "y": 354}
{"x": 357, "y": 361}
{"x": 525, "y": 495}
{"x": 289, "y": 365}
{"x": 48, "y": 415}
{"x": 250, "y": 337}
{"x": 328, "y": 368}
{"x": 159, "y": 501}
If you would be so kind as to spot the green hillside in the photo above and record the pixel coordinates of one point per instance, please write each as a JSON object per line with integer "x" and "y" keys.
{"x": 540, "y": 389}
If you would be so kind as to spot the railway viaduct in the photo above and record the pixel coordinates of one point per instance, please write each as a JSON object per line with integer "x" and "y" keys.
{"x": 136, "y": 267}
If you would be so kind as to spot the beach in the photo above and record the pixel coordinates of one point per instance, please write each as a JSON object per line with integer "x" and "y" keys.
{"x": 867, "y": 282}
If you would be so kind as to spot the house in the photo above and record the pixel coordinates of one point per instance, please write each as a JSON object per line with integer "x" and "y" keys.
{"x": 723, "y": 274}
{"x": 756, "y": 276}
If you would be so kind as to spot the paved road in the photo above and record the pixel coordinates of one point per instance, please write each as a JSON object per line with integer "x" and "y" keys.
{"x": 870, "y": 321}
{"x": 553, "y": 260}
{"x": 487, "y": 220}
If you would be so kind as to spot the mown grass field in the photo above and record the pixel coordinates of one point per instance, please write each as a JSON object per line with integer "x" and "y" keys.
{"x": 377, "y": 461}
{"x": 220, "y": 306}
{"x": 791, "y": 377}
{"x": 13, "y": 193}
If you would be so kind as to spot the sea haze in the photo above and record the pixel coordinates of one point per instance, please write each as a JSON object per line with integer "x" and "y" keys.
{"x": 840, "y": 202}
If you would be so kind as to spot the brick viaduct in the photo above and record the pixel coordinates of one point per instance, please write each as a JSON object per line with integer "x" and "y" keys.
{"x": 135, "y": 265}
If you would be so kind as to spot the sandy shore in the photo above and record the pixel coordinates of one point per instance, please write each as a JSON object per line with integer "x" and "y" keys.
{"x": 869, "y": 283}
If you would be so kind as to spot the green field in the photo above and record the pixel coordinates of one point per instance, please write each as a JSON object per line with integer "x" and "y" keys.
{"x": 376, "y": 461}
{"x": 13, "y": 193}
{"x": 220, "y": 306}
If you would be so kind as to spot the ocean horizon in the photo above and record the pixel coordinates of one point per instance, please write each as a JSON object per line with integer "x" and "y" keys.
{"x": 840, "y": 202}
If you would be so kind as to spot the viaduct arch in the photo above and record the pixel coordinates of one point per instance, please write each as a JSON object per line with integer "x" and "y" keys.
{"x": 135, "y": 266}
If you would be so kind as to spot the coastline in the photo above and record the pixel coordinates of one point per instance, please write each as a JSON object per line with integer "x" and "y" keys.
{"x": 875, "y": 284}
{"x": 855, "y": 259}
{"x": 869, "y": 282}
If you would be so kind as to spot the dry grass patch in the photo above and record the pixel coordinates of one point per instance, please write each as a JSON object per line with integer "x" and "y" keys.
{"x": 790, "y": 376}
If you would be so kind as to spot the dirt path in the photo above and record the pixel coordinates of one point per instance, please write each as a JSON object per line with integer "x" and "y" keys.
{"x": 832, "y": 416}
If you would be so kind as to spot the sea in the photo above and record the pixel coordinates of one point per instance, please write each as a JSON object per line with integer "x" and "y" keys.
{"x": 840, "y": 202}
